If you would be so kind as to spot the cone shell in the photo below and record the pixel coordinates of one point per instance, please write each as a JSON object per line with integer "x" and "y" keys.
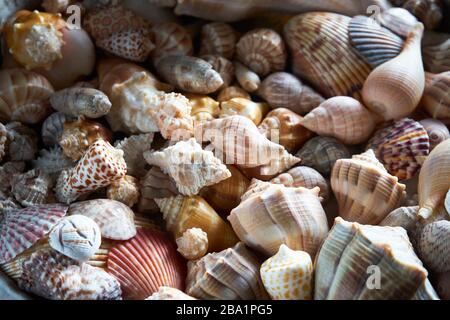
{"x": 21, "y": 229}
{"x": 353, "y": 255}
{"x": 322, "y": 54}
{"x": 145, "y": 263}
{"x": 288, "y": 275}
{"x": 232, "y": 274}
{"x": 168, "y": 293}
{"x": 280, "y": 215}
{"x": 232, "y": 92}
{"x": 248, "y": 79}
{"x": 255, "y": 111}
{"x": 193, "y": 244}
{"x": 401, "y": 147}
{"x": 435, "y": 97}
{"x": 434, "y": 246}
{"x": 171, "y": 39}
{"x": 218, "y": 38}
{"x": 133, "y": 148}
{"x": 125, "y": 190}
{"x": 365, "y": 191}
{"x": 53, "y": 128}
{"x": 203, "y": 107}
{"x": 31, "y": 188}
{"x": 437, "y": 131}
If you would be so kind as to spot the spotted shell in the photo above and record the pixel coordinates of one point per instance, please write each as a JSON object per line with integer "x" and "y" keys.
{"x": 125, "y": 190}
{"x": 31, "y": 188}
{"x": 218, "y": 38}
{"x": 193, "y": 244}
{"x": 437, "y": 131}
{"x": 171, "y": 39}
{"x": 53, "y": 128}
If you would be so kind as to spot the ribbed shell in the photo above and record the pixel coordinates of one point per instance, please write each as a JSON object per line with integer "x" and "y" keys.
{"x": 218, "y": 38}
{"x": 436, "y": 99}
{"x": 53, "y": 128}
{"x": 171, "y": 39}
{"x": 133, "y": 148}
{"x": 223, "y": 66}
{"x": 434, "y": 246}
{"x": 31, "y": 188}
{"x": 125, "y": 190}
{"x": 405, "y": 217}
{"x": 145, "y": 263}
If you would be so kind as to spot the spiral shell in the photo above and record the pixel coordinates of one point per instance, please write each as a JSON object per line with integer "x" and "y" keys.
{"x": 31, "y": 188}
{"x": 218, "y": 38}
{"x": 232, "y": 92}
{"x": 193, "y": 244}
{"x": 437, "y": 131}
{"x": 168, "y": 293}
{"x": 436, "y": 55}
{"x": 22, "y": 142}
{"x": 248, "y": 79}
{"x": 255, "y": 111}
{"x": 171, "y": 39}
{"x": 436, "y": 99}
{"x": 53, "y": 128}
{"x": 223, "y": 66}
{"x": 203, "y": 107}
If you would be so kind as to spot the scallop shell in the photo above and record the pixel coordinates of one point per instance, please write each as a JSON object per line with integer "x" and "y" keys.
{"x": 168, "y": 293}
{"x": 430, "y": 12}
{"x": 3, "y": 140}
{"x": 322, "y": 54}
{"x": 288, "y": 275}
{"x": 436, "y": 99}
{"x": 22, "y": 142}
{"x": 232, "y": 92}
{"x": 145, "y": 263}
{"x": 218, "y": 38}
{"x": 24, "y": 96}
{"x": 231, "y": 274}
{"x": 53, "y": 127}
{"x": 434, "y": 246}
{"x": 133, "y": 148}
{"x": 125, "y": 190}
{"x": 365, "y": 191}
{"x": 193, "y": 244}
{"x": 22, "y": 228}
{"x": 255, "y": 111}
{"x": 401, "y": 147}
{"x": 223, "y": 66}
{"x": 437, "y": 131}
{"x": 248, "y": 79}
{"x": 321, "y": 153}
{"x": 31, "y": 188}
{"x": 171, "y": 39}
{"x": 281, "y": 215}
{"x": 115, "y": 220}
{"x": 203, "y": 107}
{"x": 51, "y": 162}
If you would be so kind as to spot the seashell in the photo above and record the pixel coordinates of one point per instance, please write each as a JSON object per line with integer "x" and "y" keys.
{"x": 322, "y": 54}
{"x": 22, "y": 142}
{"x": 226, "y": 195}
{"x": 53, "y": 127}
{"x": 76, "y": 236}
{"x": 433, "y": 246}
{"x": 398, "y": 20}
{"x": 405, "y": 217}
{"x": 51, "y": 162}
{"x": 56, "y": 6}
{"x": 262, "y": 50}
{"x": 447, "y": 202}
{"x": 125, "y": 190}
{"x": 280, "y": 215}
{"x": 51, "y": 275}
{"x": 203, "y": 107}
{"x": 193, "y": 244}
{"x": 434, "y": 179}
{"x": 145, "y": 263}
{"x": 99, "y": 167}
{"x": 115, "y": 220}
{"x": 437, "y": 131}
{"x": 10, "y": 291}
{"x": 20, "y": 229}
{"x": 7, "y": 172}
{"x": 284, "y": 90}
{"x": 247, "y": 79}
{"x": 284, "y": 126}
{"x": 24, "y": 96}
{"x": 133, "y": 148}
{"x": 10, "y": 7}
{"x": 231, "y": 92}
{"x": 352, "y": 252}
{"x": 168, "y": 293}
{"x": 365, "y": 191}
{"x": 76, "y": 102}
{"x": 373, "y": 42}
{"x": 231, "y": 274}
{"x": 3, "y": 141}
{"x": 435, "y": 97}
{"x": 443, "y": 285}
{"x": 218, "y": 38}
{"x": 255, "y": 111}
{"x": 304, "y": 177}
{"x": 183, "y": 213}
{"x": 436, "y": 55}
{"x": 401, "y": 147}
{"x": 221, "y": 65}
{"x": 343, "y": 118}
{"x": 189, "y": 165}
{"x": 189, "y": 74}
{"x": 288, "y": 275}
{"x": 430, "y": 12}
{"x": 171, "y": 39}
{"x": 400, "y": 82}
{"x": 31, "y": 188}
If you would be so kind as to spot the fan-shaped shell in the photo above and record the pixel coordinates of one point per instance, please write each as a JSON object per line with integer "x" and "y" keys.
{"x": 255, "y": 111}
{"x": 171, "y": 39}
{"x": 193, "y": 244}
{"x": 31, "y": 188}
{"x": 436, "y": 99}
{"x": 218, "y": 38}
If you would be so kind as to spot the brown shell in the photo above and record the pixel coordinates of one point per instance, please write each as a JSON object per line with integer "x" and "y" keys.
{"x": 218, "y": 38}
{"x": 223, "y": 66}
{"x": 171, "y": 39}
{"x": 22, "y": 142}
{"x": 436, "y": 99}
{"x": 430, "y": 12}
{"x": 232, "y": 92}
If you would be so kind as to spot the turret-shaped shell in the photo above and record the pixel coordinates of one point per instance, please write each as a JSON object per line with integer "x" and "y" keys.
{"x": 262, "y": 50}
{"x": 394, "y": 89}
{"x": 189, "y": 165}
{"x": 401, "y": 147}
{"x": 31, "y": 188}
{"x": 100, "y": 165}
{"x": 125, "y": 190}
{"x": 76, "y": 102}
{"x": 232, "y": 92}
{"x": 365, "y": 191}
{"x": 363, "y": 262}
{"x": 343, "y": 118}
{"x": 133, "y": 149}
{"x": 281, "y": 215}
{"x": 223, "y": 66}
{"x": 24, "y": 96}
{"x": 248, "y": 79}
{"x": 435, "y": 97}
{"x": 203, "y": 107}
{"x": 434, "y": 246}
{"x": 232, "y": 274}
{"x": 430, "y": 12}
{"x": 193, "y": 244}
{"x": 218, "y": 38}
{"x": 255, "y": 111}
{"x": 171, "y": 39}
{"x": 168, "y": 293}
{"x": 436, "y": 130}
{"x": 22, "y": 142}
{"x": 53, "y": 128}
{"x": 288, "y": 275}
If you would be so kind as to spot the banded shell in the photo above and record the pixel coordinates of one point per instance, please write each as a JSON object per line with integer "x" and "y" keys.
{"x": 255, "y": 111}
{"x": 365, "y": 191}
{"x": 23, "y": 142}
{"x": 125, "y": 190}
{"x": 31, "y": 188}
{"x": 247, "y": 79}
{"x": 434, "y": 247}
{"x": 401, "y": 147}
{"x": 115, "y": 220}
{"x": 430, "y": 12}
{"x": 53, "y": 128}
{"x": 436, "y": 99}
{"x": 145, "y": 263}
{"x": 223, "y": 66}
{"x": 232, "y": 92}
{"x": 22, "y": 228}
{"x": 133, "y": 148}
{"x": 171, "y": 39}
{"x": 437, "y": 131}
{"x": 231, "y": 274}
{"x": 218, "y": 38}
{"x": 193, "y": 244}
{"x": 203, "y": 107}
{"x": 288, "y": 275}
{"x": 168, "y": 293}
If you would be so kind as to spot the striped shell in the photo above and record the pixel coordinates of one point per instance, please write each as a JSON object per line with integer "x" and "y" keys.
{"x": 434, "y": 246}
{"x": 436, "y": 99}
{"x": 31, "y": 188}
{"x": 171, "y": 39}
{"x": 218, "y": 38}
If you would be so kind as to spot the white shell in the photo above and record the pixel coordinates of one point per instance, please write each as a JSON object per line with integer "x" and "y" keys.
{"x": 193, "y": 244}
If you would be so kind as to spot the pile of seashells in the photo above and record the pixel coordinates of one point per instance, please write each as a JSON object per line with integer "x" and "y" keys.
{"x": 206, "y": 149}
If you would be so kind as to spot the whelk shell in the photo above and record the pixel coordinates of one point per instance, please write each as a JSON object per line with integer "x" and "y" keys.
{"x": 218, "y": 38}
{"x": 193, "y": 244}
{"x": 255, "y": 111}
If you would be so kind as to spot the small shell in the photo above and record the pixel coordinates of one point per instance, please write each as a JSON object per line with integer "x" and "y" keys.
{"x": 248, "y": 79}
{"x": 193, "y": 244}
{"x": 343, "y": 118}
{"x": 77, "y": 102}
{"x": 171, "y": 39}
{"x": 133, "y": 148}
{"x": 436, "y": 56}
{"x": 255, "y": 111}
{"x": 284, "y": 90}
{"x": 52, "y": 162}
{"x": 3, "y": 140}
{"x": 231, "y": 274}
{"x": 321, "y": 153}
{"x": 125, "y": 190}
{"x": 434, "y": 246}
{"x": 7, "y": 171}
{"x": 218, "y": 38}
{"x": 436, "y": 99}
{"x": 53, "y": 128}
{"x": 405, "y": 217}
{"x": 232, "y": 92}
{"x": 115, "y": 220}
{"x": 31, "y": 188}
{"x": 223, "y": 66}
{"x": 437, "y": 131}
{"x": 22, "y": 142}
{"x": 203, "y": 107}
{"x": 262, "y": 50}
{"x": 288, "y": 275}
{"x": 168, "y": 293}
{"x": 430, "y": 12}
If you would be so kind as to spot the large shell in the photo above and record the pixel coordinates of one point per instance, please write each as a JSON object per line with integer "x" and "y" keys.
{"x": 436, "y": 130}
{"x": 223, "y": 66}
{"x": 115, "y": 220}
{"x": 288, "y": 275}
{"x": 248, "y": 79}
{"x": 171, "y": 39}
{"x": 125, "y": 190}
{"x": 281, "y": 215}
{"x": 22, "y": 228}
{"x": 354, "y": 256}
{"x": 218, "y": 38}
{"x": 31, "y": 188}
{"x": 255, "y": 111}
{"x": 53, "y": 128}
{"x": 322, "y": 54}
{"x": 430, "y": 12}
{"x": 133, "y": 149}
{"x": 145, "y": 263}
{"x": 22, "y": 142}
{"x": 401, "y": 147}
{"x": 168, "y": 293}
{"x": 436, "y": 99}
{"x": 193, "y": 244}
{"x": 24, "y": 96}
{"x": 365, "y": 191}
{"x": 231, "y": 274}
{"x": 434, "y": 246}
